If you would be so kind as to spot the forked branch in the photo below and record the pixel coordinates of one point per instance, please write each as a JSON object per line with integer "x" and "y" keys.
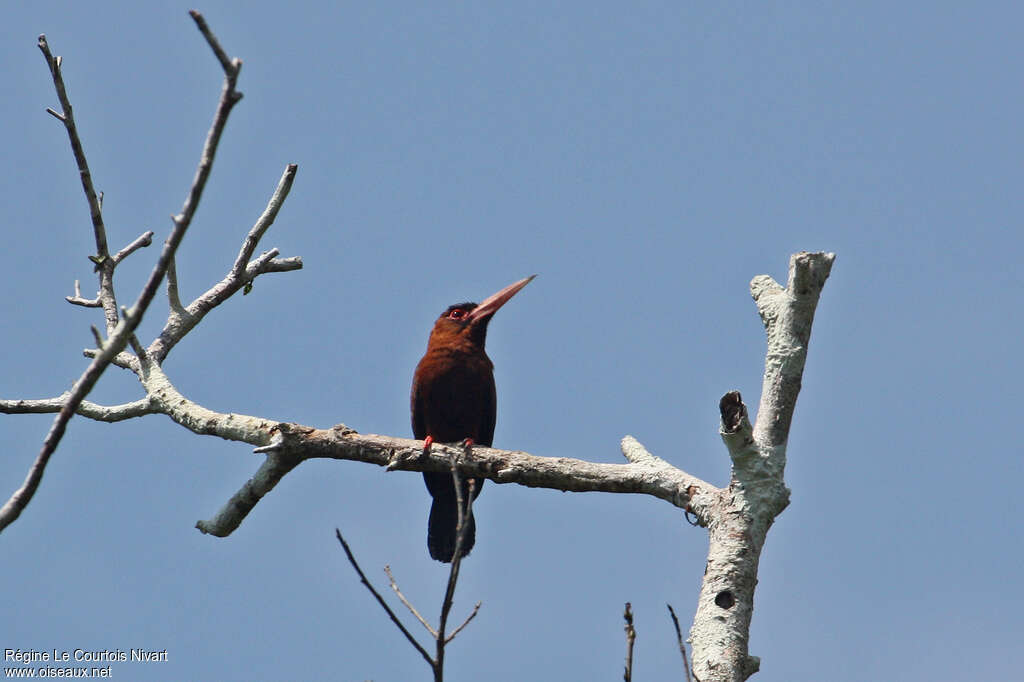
{"x": 121, "y": 324}
{"x": 441, "y": 640}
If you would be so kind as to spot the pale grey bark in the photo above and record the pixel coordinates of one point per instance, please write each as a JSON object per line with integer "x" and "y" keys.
{"x": 741, "y": 514}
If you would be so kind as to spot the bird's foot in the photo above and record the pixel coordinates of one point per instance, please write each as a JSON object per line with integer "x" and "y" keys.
{"x": 427, "y": 442}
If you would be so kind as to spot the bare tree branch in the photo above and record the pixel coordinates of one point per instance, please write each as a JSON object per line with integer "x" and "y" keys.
{"x": 679, "y": 638}
{"x": 787, "y": 315}
{"x": 172, "y": 289}
{"x": 22, "y": 496}
{"x": 230, "y": 66}
{"x": 630, "y": 639}
{"x": 252, "y": 239}
{"x": 145, "y": 239}
{"x": 380, "y": 600}
{"x": 297, "y": 443}
{"x": 121, "y": 331}
{"x": 101, "y": 413}
{"x": 273, "y": 469}
{"x": 182, "y": 320}
{"x": 68, "y": 119}
{"x": 229, "y": 97}
{"x": 123, "y": 360}
{"x": 102, "y": 261}
{"x": 408, "y": 605}
{"x": 501, "y": 466}
{"x": 739, "y": 519}
{"x": 471, "y": 616}
{"x": 464, "y": 511}
{"x": 77, "y": 299}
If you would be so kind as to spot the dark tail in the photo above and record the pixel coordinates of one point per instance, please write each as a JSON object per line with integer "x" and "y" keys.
{"x": 444, "y": 518}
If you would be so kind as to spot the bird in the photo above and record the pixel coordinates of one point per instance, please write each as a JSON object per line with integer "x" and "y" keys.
{"x": 454, "y": 400}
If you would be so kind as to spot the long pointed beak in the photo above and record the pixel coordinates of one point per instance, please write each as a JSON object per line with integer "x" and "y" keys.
{"x": 490, "y": 306}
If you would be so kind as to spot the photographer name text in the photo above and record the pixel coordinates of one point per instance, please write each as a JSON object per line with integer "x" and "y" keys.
{"x": 29, "y": 656}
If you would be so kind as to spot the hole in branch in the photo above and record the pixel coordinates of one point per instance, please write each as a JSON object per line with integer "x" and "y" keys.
{"x": 725, "y": 599}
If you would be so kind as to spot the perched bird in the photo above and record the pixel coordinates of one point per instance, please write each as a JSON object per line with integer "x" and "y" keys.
{"x": 453, "y": 399}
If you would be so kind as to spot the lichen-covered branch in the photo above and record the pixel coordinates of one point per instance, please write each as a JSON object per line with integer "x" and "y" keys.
{"x": 501, "y": 466}
{"x": 787, "y": 315}
{"x": 739, "y": 517}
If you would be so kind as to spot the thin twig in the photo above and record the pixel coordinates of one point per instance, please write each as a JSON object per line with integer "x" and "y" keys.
{"x": 380, "y": 600}
{"x": 68, "y": 118}
{"x": 412, "y": 609}
{"x": 476, "y": 609}
{"x": 122, "y": 360}
{"x": 78, "y": 299}
{"x": 228, "y": 99}
{"x": 463, "y": 515}
{"x": 679, "y": 638}
{"x": 101, "y": 259}
{"x": 172, "y": 289}
{"x": 265, "y": 220}
{"x": 145, "y": 239}
{"x": 228, "y": 64}
{"x": 630, "y": 638}
{"x": 137, "y": 348}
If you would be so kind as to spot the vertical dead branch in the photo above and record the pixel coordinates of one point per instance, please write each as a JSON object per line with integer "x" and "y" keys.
{"x": 679, "y": 638}
{"x": 739, "y": 516}
{"x": 630, "y": 639}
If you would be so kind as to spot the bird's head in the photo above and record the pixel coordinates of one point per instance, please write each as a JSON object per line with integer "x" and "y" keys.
{"x": 467, "y": 322}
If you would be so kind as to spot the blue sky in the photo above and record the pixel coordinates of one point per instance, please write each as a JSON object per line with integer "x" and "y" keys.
{"x": 646, "y": 161}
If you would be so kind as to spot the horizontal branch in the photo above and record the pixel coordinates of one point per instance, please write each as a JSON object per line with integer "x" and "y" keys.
{"x": 648, "y": 475}
{"x": 287, "y": 445}
{"x": 101, "y": 413}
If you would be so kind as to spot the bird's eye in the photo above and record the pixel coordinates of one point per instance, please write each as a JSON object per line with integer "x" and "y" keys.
{"x": 457, "y": 314}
